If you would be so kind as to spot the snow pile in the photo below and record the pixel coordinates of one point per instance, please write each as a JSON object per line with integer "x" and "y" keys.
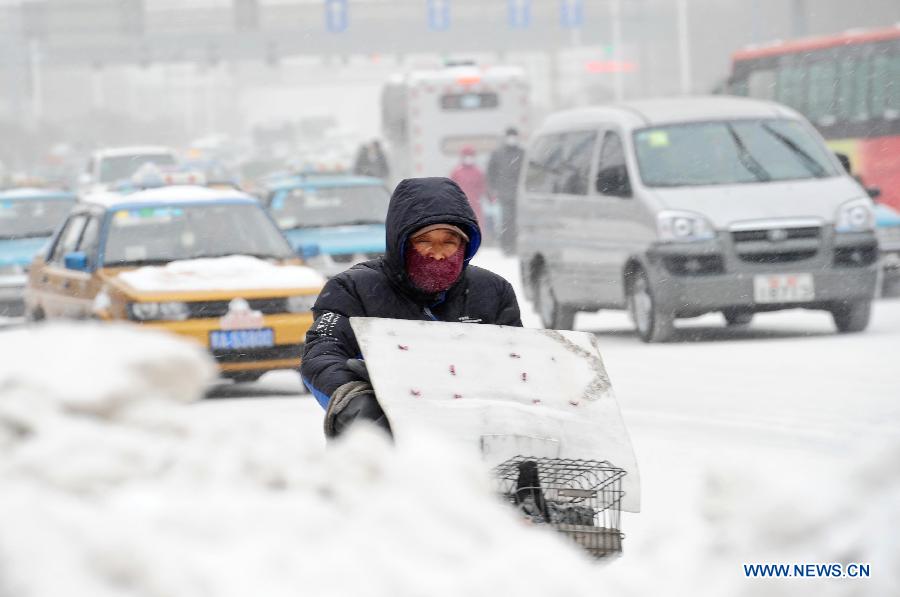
{"x": 235, "y": 272}
{"x": 844, "y": 513}
{"x": 112, "y": 485}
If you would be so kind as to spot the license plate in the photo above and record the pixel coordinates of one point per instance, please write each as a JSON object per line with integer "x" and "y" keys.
{"x": 783, "y": 288}
{"x": 241, "y": 339}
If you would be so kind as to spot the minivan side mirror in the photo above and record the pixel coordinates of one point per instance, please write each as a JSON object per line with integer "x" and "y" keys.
{"x": 844, "y": 159}
{"x": 614, "y": 181}
{"x": 874, "y": 192}
{"x": 77, "y": 261}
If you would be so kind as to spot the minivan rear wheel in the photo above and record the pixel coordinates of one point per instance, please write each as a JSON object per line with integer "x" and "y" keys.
{"x": 650, "y": 321}
{"x": 851, "y": 316}
{"x": 554, "y": 316}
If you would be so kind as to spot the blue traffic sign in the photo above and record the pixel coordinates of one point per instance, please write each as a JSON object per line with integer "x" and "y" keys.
{"x": 439, "y": 15}
{"x": 571, "y": 13}
{"x": 336, "y": 19}
{"x": 519, "y": 13}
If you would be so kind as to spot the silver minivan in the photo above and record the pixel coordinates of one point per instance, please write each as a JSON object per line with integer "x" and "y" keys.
{"x": 679, "y": 207}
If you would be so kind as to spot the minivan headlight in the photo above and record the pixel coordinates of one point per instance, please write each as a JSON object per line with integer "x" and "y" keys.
{"x": 683, "y": 226}
{"x": 301, "y": 303}
{"x": 168, "y": 311}
{"x": 855, "y": 216}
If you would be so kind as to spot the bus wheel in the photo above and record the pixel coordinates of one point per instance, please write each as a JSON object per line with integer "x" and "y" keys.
{"x": 651, "y": 323}
{"x": 554, "y": 316}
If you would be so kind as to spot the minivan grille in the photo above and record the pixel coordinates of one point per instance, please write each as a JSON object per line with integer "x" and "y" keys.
{"x": 805, "y": 232}
{"x": 769, "y": 257}
{"x": 777, "y": 245}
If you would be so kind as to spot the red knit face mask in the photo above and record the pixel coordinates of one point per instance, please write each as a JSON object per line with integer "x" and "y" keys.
{"x": 434, "y": 275}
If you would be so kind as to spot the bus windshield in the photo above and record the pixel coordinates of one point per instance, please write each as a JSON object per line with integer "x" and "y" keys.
{"x": 330, "y": 206}
{"x": 730, "y": 152}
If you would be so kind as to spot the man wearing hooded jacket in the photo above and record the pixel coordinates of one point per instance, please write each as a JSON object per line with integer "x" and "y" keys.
{"x": 432, "y": 234}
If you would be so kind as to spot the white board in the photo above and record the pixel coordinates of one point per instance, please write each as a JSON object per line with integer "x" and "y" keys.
{"x": 510, "y": 391}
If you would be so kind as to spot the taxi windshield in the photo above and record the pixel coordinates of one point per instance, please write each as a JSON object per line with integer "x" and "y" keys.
{"x": 31, "y": 218}
{"x": 160, "y": 234}
{"x": 330, "y": 206}
{"x": 730, "y": 152}
{"x": 115, "y": 168}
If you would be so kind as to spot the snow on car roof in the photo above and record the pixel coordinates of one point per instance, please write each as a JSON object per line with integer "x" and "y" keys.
{"x": 133, "y": 150}
{"x": 170, "y": 194}
{"x": 37, "y": 193}
{"x": 650, "y": 112}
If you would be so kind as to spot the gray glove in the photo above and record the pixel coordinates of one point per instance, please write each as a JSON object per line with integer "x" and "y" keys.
{"x": 351, "y": 402}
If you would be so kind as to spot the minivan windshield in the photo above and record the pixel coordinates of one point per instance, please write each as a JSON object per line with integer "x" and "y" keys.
{"x": 164, "y": 233}
{"x": 321, "y": 207}
{"x": 32, "y": 218}
{"x": 730, "y": 152}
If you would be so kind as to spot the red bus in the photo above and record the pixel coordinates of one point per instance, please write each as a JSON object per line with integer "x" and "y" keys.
{"x": 847, "y": 85}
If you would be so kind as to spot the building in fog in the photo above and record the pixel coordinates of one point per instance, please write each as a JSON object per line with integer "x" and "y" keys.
{"x": 176, "y": 70}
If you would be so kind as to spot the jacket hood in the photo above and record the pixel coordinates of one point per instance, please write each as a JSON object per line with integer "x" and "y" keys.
{"x": 420, "y": 202}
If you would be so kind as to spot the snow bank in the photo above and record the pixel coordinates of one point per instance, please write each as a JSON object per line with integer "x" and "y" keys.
{"x": 236, "y": 272}
{"x": 844, "y": 513}
{"x": 114, "y": 484}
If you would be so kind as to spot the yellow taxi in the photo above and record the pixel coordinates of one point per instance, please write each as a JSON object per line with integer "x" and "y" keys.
{"x": 207, "y": 264}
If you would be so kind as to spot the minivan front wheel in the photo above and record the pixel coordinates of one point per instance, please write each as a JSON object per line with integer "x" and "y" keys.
{"x": 737, "y": 317}
{"x": 554, "y": 316}
{"x": 650, "y": 321}
{"x": 852, "y": 316}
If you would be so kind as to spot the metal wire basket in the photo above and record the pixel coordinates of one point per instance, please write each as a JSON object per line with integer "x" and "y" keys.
{"x": 580, "y": 498}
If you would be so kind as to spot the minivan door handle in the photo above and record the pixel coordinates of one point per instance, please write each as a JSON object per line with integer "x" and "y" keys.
{"x": 66, "y": 283}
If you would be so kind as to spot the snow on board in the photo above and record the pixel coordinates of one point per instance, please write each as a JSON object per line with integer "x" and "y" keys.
{"x": 509, "y": 391}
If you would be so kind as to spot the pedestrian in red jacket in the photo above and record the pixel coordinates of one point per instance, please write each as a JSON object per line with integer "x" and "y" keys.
{"x": 471, "y": 180}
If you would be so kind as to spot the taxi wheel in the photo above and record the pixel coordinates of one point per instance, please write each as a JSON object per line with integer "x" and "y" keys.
{"x": 36, "y": 314}
{"x": 852, "y": 316}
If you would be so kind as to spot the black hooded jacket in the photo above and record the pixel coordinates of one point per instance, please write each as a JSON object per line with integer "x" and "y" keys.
{"x": 381, "y": 288}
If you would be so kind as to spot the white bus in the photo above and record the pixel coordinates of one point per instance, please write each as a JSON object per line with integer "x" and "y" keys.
{"x": 428, "y": 116}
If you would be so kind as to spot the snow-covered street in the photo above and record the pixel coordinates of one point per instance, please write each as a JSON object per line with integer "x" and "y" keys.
{"x": 777, "y": 444}
{"x": 786, "y": 401}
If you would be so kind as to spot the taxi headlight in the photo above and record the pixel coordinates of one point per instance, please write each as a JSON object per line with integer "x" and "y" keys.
{"x": 301, "y": 303}
{"x": 683, "y": 226}
{"x": 168, "y": 311}
{"x": 855, "y": 216}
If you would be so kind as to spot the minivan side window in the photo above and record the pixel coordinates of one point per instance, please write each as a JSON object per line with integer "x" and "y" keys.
{"x": 575, "y": 169}
{"x": 544, "y": 160}
{"x": 68, "y": 239}
{"x": 612, "y": 176}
